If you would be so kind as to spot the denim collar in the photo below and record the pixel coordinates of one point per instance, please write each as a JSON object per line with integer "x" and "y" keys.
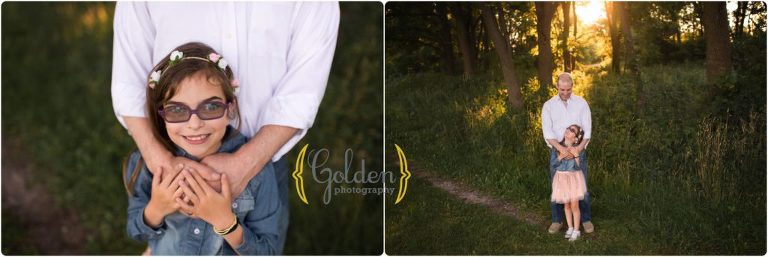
{"x": 230, "y": 143}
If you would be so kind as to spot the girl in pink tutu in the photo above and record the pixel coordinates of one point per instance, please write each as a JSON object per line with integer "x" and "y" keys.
{"x": 568, "y": 184}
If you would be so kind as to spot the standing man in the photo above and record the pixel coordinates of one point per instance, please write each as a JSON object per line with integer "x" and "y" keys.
{"x": 281, "y": 53}
{"x": 558, "y": 113}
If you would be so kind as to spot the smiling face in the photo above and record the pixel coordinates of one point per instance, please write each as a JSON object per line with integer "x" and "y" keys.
{"x": 564, "y": 89}
{"x": 570, "y": 132}
{"x": 198, "y": 137}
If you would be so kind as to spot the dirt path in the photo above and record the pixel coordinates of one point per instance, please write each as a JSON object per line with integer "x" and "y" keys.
{"x": 473, "y": 196}
{"x": 49, "y": 230}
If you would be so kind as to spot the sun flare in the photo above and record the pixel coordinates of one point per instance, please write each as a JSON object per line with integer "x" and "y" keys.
{"x": 590, "y": 12}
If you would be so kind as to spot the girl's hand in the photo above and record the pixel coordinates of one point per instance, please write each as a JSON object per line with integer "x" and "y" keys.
{"x": 207, "y": 204}
{"x": 563, "y": 154}
{"x": 574, "y": 151}
{"x": 165, "y": 189}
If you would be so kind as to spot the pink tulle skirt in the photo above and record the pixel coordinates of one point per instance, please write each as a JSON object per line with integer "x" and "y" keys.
{"x": 568, "y": 186}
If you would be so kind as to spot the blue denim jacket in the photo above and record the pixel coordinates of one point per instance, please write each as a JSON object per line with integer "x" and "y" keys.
{"x": 567, "y": 165}
{"x": 256, "y": 208}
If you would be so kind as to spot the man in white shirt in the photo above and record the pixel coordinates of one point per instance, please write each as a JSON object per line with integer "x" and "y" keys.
{"x": 558, "y": 113}
{"x": 281, "y": 53}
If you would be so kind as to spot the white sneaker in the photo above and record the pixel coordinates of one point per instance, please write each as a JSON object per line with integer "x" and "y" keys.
{"x": 568, "y": 233}
{"x": 575, "y": 235}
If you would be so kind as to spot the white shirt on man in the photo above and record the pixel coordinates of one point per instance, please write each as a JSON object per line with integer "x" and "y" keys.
{"x": 281, "y": 53}
{"x": 557, "y": 115}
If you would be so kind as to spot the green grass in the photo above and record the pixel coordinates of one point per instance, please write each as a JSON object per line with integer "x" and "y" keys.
{"x": 57, "y": 105}
{"x": 683, "y": 180}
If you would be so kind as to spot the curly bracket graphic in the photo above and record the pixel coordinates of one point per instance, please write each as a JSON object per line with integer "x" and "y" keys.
{"x": 297, "y": 174}
{"x": 405, "y": 174}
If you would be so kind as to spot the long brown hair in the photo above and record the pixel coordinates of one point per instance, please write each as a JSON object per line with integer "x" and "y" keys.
{"x": 168, "y": 84}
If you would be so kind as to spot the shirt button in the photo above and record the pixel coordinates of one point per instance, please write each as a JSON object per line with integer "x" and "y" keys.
{"x": 158, "y": 232}
{"x": 197, "y": 231}
{"x": 234, "y": 205}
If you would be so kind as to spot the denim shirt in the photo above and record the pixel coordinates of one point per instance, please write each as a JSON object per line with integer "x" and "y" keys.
{"x": 567, "y": 165}
{"x": 256, "y": 209}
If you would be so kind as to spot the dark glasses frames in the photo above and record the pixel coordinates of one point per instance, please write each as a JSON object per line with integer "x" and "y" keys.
{"x": 208, "y": 110}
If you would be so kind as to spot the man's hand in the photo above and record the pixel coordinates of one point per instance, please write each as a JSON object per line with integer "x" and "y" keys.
{"x": 210, "y": 175}
{"x": 235, "y": 168}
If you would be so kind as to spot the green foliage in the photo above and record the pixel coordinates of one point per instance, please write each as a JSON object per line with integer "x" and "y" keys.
{"x": 57, "y": 105}
{"x": 689, "y": 181}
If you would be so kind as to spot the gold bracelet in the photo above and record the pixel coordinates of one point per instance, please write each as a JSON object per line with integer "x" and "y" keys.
{"x": 228, "y": 229}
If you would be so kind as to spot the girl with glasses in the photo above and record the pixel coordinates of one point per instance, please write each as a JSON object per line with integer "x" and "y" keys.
{"x": 191, "y": 103}
{"x": 568, "y": 184}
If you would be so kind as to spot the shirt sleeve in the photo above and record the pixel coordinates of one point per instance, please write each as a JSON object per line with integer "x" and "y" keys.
{"x": 260, "y": 224}
{"x": 586, "y": 121}
{"x": 137, "y": 202}
{"x": 546, "y": 124}
{"x": 297, "y": 97}
{"x": 134, "y": 36}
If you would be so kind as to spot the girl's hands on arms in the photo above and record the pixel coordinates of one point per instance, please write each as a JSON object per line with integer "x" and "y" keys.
{"x": 165, "y": 189}
{"x": 574, "y": 151}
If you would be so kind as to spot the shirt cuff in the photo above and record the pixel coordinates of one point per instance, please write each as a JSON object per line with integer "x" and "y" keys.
{"x": 297, "y": 111}
{"x": 145, "y": 229}
{"x": 250, "y": 244}
{"x": 128, "y": 102}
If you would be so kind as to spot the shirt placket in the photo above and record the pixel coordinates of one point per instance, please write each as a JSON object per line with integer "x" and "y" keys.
{"x": 196, "y": 237}
{"x": 229, "y": 35}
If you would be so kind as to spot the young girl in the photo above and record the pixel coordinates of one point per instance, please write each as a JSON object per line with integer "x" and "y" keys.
{"x": 568, "y": 184}
{"x": 190, "y": 103}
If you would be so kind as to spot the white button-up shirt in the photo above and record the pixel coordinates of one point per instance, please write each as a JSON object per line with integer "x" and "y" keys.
{"x": 281, "y": 53}
{"x": 557, "y": 115}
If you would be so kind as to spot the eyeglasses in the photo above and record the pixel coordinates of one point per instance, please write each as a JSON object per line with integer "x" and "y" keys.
{"x": 178, "y": 112}
{"x": 572, "y": 129}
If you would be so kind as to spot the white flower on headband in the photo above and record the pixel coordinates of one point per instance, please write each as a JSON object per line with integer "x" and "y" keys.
{"x": 235, "y": 85}
{"x": 176, "y": 55}
{"x": 154, "y": 78}
{"x": 214, "y": 57}
{"x": 222, "y": 64}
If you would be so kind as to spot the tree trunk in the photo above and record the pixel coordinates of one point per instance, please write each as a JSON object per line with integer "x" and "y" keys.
{"x": 501, "y": 45}
{"x": 700, "y": 13}
{"x": 503, "y": 22}
{"x": 544, "y": 13}
{"x": 446, "y": 41}
{"x": 740, "y": 14}
{"x": 466, "y": 47}
{"x": 566, "y": 6}
{"x": 622, "y": 9}
{"x": 611, "y": 15}
{"x": 626, "y": 32}
{"x": 575, "y": 21}
{"x": 715, "y": 21}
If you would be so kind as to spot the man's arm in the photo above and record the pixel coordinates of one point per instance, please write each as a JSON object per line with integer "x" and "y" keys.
{"x": 560, "y": 149}
{"x": 251, "y": 157}
{"x": 293, "y": 106}
{"x": 586, "y": 126}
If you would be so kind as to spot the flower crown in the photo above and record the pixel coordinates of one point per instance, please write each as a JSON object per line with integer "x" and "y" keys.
{"x": 177, "y": 56}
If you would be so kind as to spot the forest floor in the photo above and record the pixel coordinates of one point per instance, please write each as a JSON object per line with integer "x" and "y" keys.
{"x": 55, "y": 230}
